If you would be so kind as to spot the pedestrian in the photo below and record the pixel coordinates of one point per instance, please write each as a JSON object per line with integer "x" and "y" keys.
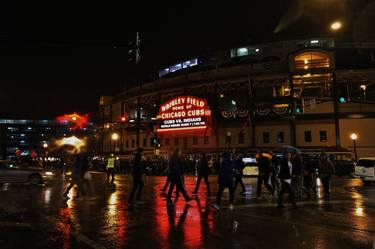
{"x": 225, "y": 180}
{"x": 286, "y": 170}
{"x": 326, "y": 169}
{"x": 264, "y": 173}
{"x": 167, "y": 172}
{"x": 76, "y": 177}
{"x": 137, "y": 171}
{"x": 176, "y": 169}
{"x": 309, "y": 176}
{"x": 275, "y": 172}
{"x": 203, "y": 172}
{"x": 297, "y": 173}
{"x": 238, "y": 165}
{"x": 111, "y": 163}
{"x": 87, "y": 188}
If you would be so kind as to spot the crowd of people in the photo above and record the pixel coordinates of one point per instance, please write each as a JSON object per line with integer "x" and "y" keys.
{"x": 289, "y": 173}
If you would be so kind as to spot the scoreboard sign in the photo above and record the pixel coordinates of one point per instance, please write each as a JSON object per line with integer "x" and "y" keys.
{"x": 184, "y": 113}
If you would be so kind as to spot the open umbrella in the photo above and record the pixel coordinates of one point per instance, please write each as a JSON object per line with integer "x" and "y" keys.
{"x": 287, "y": 148}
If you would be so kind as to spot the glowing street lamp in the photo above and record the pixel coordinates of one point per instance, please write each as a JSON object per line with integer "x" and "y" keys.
{"x": 354, "y": 137}
{"x": 336, "y": 25}
{"x": 363, "y": 87}
{"x": 115, "y": 136}
{"x": 45, "y": 145}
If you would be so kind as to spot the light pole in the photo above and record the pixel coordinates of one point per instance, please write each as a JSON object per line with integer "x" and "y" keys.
{"x": 354, "y": 137}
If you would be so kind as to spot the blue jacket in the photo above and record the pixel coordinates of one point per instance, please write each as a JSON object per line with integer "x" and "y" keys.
{"x": 226, "y": 172}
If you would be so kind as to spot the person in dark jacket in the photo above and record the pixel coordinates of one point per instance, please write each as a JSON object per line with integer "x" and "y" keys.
{"x": 176, "y": 171}
{"x": 225, "y": 180}
{"x": 286, "y": 170}
{"x": 76, "y": 177}
{"x": 238, "y": 170}
{"x": 297, "y": 173}
{"x": 264, "y": 173}
{"x": 325, "y": 169}
{"x": 203, "y": 171}
{"x": 137, "y": 172}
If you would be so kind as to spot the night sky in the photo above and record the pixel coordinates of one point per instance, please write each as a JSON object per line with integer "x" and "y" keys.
{"x": 57, "y": 59}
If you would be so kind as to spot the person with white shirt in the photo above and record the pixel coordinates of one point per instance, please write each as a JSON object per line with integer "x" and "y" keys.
{"x": 285, "y": 176}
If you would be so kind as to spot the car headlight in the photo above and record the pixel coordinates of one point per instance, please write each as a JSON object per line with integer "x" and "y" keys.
{"x": 48, "y": 173}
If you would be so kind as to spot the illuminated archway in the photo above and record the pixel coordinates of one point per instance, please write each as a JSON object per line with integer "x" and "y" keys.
{"x": 312, "y": 59}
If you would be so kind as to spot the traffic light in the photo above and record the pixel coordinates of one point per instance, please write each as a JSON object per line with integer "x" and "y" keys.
{"x": 155, "y": 139}
{"x": 134, "y": 50}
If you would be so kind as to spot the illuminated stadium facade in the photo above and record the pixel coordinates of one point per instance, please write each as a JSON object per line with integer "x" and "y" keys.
{"x": 310, "y": 93}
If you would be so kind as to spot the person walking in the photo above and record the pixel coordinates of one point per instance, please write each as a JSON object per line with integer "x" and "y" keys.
{"x": 225, "y": 180}
{"x": 326, "y": 169}
{"x": 76, "y": 177}
{"x": 238, "y": 170}
{"x": 275, "y": 172}
{"x": 297, "y": 174}
{"x": 176, "y": 170}
{"x": 265, "y": 173}
{"x": 203, "y": 171}
{"x": 111, "y": 163}
{"x": 286, "y": 170}
{"x": 137, "y": 172}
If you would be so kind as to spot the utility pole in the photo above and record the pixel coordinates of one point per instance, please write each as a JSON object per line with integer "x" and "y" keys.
{"x": 135, "y": 57}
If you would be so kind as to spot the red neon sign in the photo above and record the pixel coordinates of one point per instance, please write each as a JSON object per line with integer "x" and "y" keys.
{"x": 184, "y": 113}
{"x": 78, "y": 121}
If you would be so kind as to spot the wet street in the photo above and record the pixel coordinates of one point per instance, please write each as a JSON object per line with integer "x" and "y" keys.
{"x": 37, "y": 217}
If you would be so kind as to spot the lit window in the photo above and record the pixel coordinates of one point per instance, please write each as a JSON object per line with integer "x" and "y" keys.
{"x": 163, "y": 72}
{"x": 175, "y": 68}
{"x": 310, "y": 60}
{"x": 190, "y": 63}
{"x": 242, "y": 51}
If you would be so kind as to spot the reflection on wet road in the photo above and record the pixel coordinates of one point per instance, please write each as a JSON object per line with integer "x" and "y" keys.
{"x": 346, "y": 221}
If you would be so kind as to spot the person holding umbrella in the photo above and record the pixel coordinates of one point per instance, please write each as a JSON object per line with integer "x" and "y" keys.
{"x": 285, "y": 176}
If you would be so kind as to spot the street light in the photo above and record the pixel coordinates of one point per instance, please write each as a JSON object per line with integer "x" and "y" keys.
{"x": 114, "y": 136}
{"x": 363, "y": 87}
{"x": 336, "y": 25}
{"x": 45, "y": 145}
{"x": 354, "y": 137}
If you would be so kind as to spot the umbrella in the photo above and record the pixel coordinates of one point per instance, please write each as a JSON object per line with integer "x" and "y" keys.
{"x": 287, "y": 148}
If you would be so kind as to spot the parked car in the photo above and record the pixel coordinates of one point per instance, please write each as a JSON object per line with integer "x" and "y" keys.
{"x": 19, "y": 172}
{"x": 251, "y": 166}
{"x": 365, "y": 169}
{"x": 344, "y": 167}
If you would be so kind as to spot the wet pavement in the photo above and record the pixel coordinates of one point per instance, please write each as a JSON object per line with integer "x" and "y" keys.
{"x": 37, "y": 217}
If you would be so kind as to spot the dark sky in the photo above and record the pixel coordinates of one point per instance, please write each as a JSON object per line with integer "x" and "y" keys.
{"x": 57, "y": 59}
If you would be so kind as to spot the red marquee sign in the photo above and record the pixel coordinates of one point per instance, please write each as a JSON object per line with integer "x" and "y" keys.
{"x": 184, "y": 113}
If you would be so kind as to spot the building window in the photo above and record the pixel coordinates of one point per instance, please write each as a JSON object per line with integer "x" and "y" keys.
{"x": 176, "y": 141}
{"x": 310, "y": 60}
{"x": 166, "y": 141}
{"x": 185, "y": 142}
{"x": 323, "y": 136}
{"x": 144, "y": 142}
{"x": 308, "y": 138}
{"x": 206, "y": 140}
{"x": 241, "y": 138}
{"x": 280, "y": 137}
{"x": 195, "y": 140}
{"x": 228, "y": 139}
{"x": 133, "y": 143}
{"x": 151, "y": 142}
{"x": 127, "y": 143}
{"x": 266, "y": 137}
